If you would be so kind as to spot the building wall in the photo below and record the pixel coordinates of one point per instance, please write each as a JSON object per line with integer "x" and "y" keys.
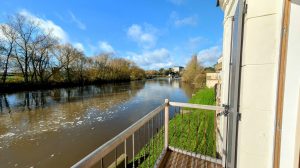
{"x": 290, "y": 138}
{"x": 224, "y": 74}
{"x": 259, "y": 74}
{"x": 177, "y": 69}
{"x": 212, "y": 79}
{"x": 211, "y": 83}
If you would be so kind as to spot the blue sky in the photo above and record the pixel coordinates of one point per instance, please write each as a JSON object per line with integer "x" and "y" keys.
{"x": 153, "y": 33}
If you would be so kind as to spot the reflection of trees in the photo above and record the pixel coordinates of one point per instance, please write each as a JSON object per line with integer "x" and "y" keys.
{"x": 187, "y": 88}
{"x": 137, "y": 85}
{"x": 3, "y": 100}
{"x": 26, "y": 101}
{"x": 7, "y": 104}
{"x": 160, "y": 81}
{"x": 4, "y": 105}
{"x": 53, "y": 115}
{"x": 38, "y": 99}
{"x": 56, "y": 95}
{"x": 43, "y": 99}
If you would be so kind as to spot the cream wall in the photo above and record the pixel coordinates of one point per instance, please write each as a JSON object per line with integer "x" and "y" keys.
{"x": 212, "y": 79}
{"x": 261, "y": 49}
{"x": 290, "y": 139}
{"x": 210, "y": 83}
{"x": 259, "y": 74}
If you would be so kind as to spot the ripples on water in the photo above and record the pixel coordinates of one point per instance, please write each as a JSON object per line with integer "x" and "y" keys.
{"x": 35, "y": 120}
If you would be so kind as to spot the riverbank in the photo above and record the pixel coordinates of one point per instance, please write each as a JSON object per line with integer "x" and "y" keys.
{"x": 44, "y": 127}
{"x": 14, "y": 87}
{"x": 190, "y": 129}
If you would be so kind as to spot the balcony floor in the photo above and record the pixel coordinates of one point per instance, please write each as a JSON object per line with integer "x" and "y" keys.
{"x": 180, "y": 160}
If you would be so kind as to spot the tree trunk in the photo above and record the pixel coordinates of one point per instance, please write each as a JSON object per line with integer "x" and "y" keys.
{"x": 5, "y": 71}
{"x": 26, "y": 70}
{"x": 6, "y": 65}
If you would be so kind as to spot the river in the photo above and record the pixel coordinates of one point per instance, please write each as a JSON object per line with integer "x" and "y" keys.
{"x": 56, "y": 128}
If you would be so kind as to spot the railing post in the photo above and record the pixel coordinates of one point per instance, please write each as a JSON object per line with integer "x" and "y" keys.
{"x": 166, "y": 123}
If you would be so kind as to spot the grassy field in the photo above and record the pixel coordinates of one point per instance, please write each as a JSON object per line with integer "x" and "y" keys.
{"x": 193, "y": 130}
{"x": 189, "y": 129}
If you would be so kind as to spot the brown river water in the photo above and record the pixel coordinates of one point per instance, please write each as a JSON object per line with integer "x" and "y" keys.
{"x": 56, "y": 128}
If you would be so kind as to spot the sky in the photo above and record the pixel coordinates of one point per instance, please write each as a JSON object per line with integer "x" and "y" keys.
{"x": 152, "y": 33}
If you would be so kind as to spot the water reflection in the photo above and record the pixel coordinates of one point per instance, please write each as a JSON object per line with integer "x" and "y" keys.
{"x": 41, "y": 111}
{"x": 4, "y": 104}
{"x": 27, "y": 101}
{"x": 33, "y": 121}
{"x": 175, "y": 83}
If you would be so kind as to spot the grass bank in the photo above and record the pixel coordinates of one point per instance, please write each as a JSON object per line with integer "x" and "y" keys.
{"x": 193, "y": 130}
{"x": 189, "y": 129}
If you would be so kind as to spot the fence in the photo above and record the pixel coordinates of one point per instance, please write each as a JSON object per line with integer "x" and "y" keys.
{"x": 146, "y": 142}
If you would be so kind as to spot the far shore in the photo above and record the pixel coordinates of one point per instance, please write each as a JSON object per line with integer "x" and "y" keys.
{"x": 21, "y": 86}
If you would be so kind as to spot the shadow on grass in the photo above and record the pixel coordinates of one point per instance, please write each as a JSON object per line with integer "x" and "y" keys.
{"x": 138, "y": 161}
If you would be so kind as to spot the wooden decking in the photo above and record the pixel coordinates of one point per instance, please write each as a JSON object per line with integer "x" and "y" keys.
{"x": 174, "y": 159}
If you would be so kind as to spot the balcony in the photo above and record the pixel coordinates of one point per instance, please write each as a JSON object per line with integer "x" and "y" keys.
{"x": 172, "y": 135}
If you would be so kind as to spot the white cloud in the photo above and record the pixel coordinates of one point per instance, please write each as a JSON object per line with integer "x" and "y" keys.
{"x": 2, "y": 36}
{"x": 191, "y": 20}
{"x": 144, "y": 36}
{"x": 106, "y": 47}
{"x": 177, "y": 2}
{"x": 209, "y": 57}
{"x": 155, "y": 59}
{"x": 79, "y": 46}
{"x": 185, "y": 21}
{"x": 46, "y": 25}
{"x": 79, "y": 24}
{"x": 195, "y": 42}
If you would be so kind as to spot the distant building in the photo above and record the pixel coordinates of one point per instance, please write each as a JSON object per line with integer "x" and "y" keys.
{"x": 177, "y": 69}
{"x": 212, "y": 79}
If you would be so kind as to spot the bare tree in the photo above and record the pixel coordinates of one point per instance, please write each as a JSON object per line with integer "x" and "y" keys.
{"x": 101, "y": 60}
{"x": 7, "y": 46}
{"x": 120, "y": 69}
{"x": 28, "y": 33}
{"x": 81, "y": 66}
{"x": 43, "y": 58}
{"x": 2, "y": 57}
{"x": 67, "y": 56}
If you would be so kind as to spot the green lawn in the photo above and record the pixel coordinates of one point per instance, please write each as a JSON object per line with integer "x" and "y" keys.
{"x": 14, "y": 79}
{"x": 189, "y": 129}
{"x": 193, "y": 130}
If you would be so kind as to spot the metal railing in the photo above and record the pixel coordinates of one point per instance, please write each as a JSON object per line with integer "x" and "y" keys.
{"x": 193, "y": 132}
{"x": 144, "y": 143}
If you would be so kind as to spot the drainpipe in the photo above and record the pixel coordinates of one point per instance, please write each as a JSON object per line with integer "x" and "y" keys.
{"x": 281, "y": 82}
